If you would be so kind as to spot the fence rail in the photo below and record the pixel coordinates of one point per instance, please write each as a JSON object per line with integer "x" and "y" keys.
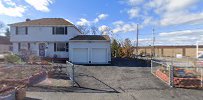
{"x": 178, "y": 76}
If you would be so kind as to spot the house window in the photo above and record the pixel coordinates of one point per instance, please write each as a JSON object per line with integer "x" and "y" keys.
{"x": 23, "y": 46}
{"x": 61, "y": 47}
{"x": 21, "y": 30}
{"x": 59, "y": 30}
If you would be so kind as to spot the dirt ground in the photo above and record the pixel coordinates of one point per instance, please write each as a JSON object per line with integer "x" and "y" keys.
{"x": 117, "y": 82}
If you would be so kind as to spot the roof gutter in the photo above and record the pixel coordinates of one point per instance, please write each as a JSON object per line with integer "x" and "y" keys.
{"x": 89, "y": 40}
{"x": 39, "y": 25}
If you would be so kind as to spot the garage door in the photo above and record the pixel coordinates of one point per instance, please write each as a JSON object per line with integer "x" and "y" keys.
{"x": 99, "y": 55}
{"x": 80, "y": 55}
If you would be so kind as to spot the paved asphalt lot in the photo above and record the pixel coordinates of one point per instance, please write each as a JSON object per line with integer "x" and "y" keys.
{"x": 117, "y": 82}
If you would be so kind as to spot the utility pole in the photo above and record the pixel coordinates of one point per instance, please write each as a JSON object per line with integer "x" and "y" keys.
{"x": 137, "y": 40}
{"x": 153, "y": 42}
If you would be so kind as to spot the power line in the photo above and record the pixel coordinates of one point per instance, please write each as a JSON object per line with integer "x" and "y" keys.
{"x": 137, "y": 40}
{"x": 153, "y": 42}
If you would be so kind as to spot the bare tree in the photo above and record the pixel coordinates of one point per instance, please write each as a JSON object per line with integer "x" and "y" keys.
{"x": 7, "y": 33}
{"x": 127, "y": 48}
{"x": 84, "y": 29}
{"x": 94, "y": 30}
{"x": 106, "y": 30}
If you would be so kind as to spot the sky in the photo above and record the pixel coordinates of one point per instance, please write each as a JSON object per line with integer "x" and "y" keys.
{"x": 175, "y": 22}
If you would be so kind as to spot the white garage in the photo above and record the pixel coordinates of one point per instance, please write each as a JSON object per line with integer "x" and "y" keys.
{"x": 90, "y": 49}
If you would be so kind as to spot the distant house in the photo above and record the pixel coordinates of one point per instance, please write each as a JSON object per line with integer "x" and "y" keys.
{"x": 58, "y": 38}
{"x": 5, "y": 45}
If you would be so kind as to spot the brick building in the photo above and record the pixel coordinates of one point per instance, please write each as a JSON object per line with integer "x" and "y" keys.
{"x": 170, "y": 51}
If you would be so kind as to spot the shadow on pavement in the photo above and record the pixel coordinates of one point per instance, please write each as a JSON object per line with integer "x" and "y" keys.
{"x": 130, "y": 62}
{"x": 28, "y": 98}
{"x": 125, "y": 62}
{"x": 74, "y": 89}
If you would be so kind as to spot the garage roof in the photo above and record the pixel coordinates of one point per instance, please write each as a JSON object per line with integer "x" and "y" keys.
{"x": 44, "y": 22}
{"x": 91, "y": 37}
{"x": 5, "y": 40}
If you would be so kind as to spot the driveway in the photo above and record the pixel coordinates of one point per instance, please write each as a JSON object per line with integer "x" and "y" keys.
{"x": 118, "y": 82}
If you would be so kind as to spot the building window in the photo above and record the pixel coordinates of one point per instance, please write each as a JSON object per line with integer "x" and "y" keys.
{"x": 61, "y": 47}
{"x": 21, "y": 30}
{"x": 23, "y": 46}
{"x": 59, "y": 30}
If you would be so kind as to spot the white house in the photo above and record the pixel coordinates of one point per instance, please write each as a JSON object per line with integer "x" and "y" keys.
{"x": 58, "y": 38}
{"x": 90, "y": 49}
{"x": 46, "y": 37}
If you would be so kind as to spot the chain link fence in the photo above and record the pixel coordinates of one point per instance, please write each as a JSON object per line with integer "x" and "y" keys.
{"x": 87, "y": 78}
{"x": 70, "y": 69}
{"x": 161, "y": 70}
{"x": 177, "y": 75}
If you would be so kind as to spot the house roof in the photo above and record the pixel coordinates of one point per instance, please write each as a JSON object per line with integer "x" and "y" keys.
{"x": 44, "y": 22}
{"x": 91, "y": 37}
{"x": 5, "y": 40}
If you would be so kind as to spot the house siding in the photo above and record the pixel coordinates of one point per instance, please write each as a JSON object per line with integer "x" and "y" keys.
{"x": 42, "y": 34}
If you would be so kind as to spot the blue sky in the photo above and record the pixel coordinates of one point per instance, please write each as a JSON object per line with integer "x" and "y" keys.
{"x": 175, "y": 21}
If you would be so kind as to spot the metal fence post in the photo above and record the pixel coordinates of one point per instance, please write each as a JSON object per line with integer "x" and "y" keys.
{"x": 73, "y": 73}
{"x": 151, "y": 66}
{"x": 201, "y": 77}
{"x": 171, "y": 75}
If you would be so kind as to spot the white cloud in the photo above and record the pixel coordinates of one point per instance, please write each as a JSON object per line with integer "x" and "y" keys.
{"x": 176, "y": 5}
{"x": 184, "y": 18}
{"x": 167, "y": 12}
{"x": 133, "y": 13}
{"x": 100, "y": 17}
{"x": 133, "y": 2}
{"x": 118, "y": 23}
{"x": 41, "y": 5}
{"x": 120, "y": 26}
{"x": 176, "y": 12}
{"x": 83, "y": 22}
{"x": 9, "y": 8}
{"x": 149, "y": 21}
{"x": 185, "y": 37}
{"x": 197, "y": 32}
{"x": 9, "y": 2}
{"x": 104, "y": 29}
